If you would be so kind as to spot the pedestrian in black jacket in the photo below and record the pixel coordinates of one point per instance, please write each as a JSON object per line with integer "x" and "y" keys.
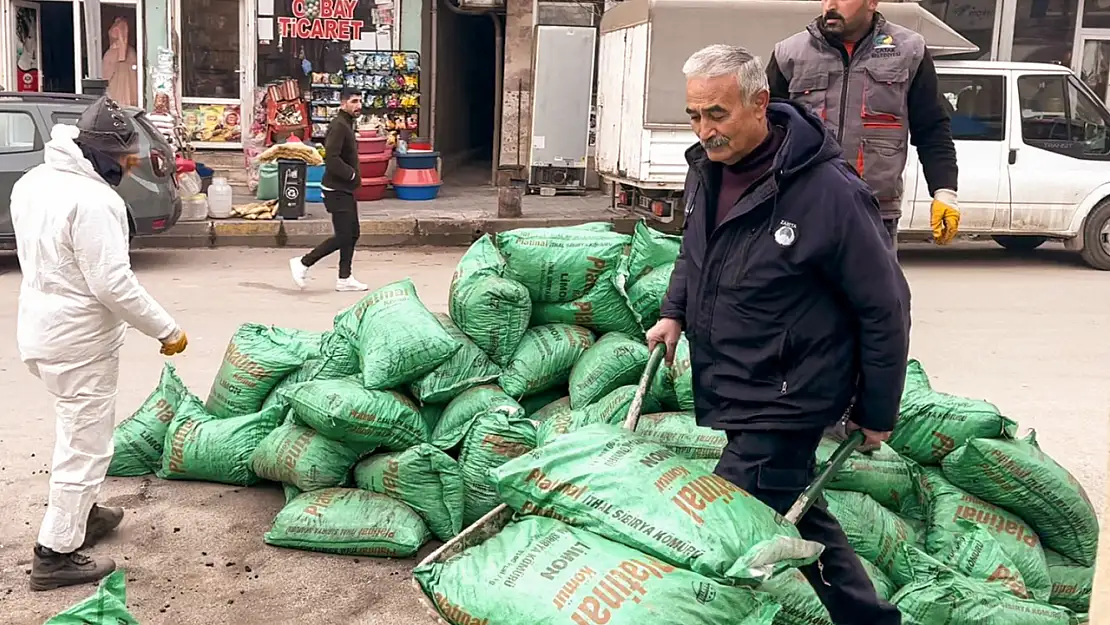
{"x": 341, "y": 179}
{"x": 792, "y": 300}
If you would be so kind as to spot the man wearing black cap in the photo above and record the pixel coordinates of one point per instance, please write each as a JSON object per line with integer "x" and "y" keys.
{"x": 341, "y": 179}
{"x": 76, "y": 300}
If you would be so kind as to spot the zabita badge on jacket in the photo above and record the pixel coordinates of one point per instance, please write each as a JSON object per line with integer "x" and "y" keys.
{"x": 786, "y": 233}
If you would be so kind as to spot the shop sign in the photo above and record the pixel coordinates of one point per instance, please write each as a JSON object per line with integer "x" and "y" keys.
{"x": 321, "y": 19}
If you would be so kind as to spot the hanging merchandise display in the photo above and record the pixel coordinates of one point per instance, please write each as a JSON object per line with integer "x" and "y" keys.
{"x": 390, "y": 85}
{"x": 286, "y": 113}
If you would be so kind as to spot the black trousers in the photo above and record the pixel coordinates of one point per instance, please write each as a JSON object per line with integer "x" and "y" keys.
{"x": 344, "y": 222}
{"x": 892, "y": 230}
{"x": 775, "y": 467}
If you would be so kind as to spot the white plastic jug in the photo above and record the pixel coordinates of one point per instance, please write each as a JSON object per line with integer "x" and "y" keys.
{"x": 219, "y": 199}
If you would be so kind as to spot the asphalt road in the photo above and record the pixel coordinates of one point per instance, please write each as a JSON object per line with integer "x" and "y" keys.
{"x": 1025, "y": 333}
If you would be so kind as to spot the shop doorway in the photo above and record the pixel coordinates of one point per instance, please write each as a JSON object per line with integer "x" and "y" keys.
{"x": 58, "y": 49}
{"x": 466, "y": 93}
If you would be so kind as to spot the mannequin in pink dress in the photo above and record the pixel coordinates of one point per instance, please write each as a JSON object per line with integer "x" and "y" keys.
{"x": 121, "y": 65}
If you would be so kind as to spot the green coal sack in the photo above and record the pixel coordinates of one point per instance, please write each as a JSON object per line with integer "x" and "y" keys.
{"x": 460, "y": 414}
{"x": 650, "y": 249}
{"x": 646, "y": 294}
{"x": 611, "y": 482}
{"x": 200, "y": 446}
{"x": 800, "y": 603}
{"x": 493, "y": 440}
{"x": 978, "y": 555}
{"x": 949, "y": 597}
{"x": 469, "y": 367}
{"x": 256, "y": 360}
{"x": 494, "y": 312}
{"x": 138, "y": 439}
{"x": 544, "y": 358}
{"x": 338, "y": 358}
{"x": 1072, "y": 583}
{"x": 604, "y": 308}
{"x": 542, "y": 572}
{"x": 343, "y": 410}
{"x": 558, "y": 408}
{"x": 1018, "y": 476}
{"x": 432, "y": 414}
{"x": 399, "y": 339}
{"x": 933, "y": 424}
{"x": 883, "y": 474}
{"x": 662, "y": 388}
{"x": 532, "y": 404}
{"x": 107, "y": 606}
{"x": 559, "y": 264}
{"x": 293, "y": 454}
{"x": 613, "y": 407}
{"x": 682, "y": 375}
{"x": 873, "y": 531}
{"x": 615, "y": 360}
{"x": 424, "y": 478}
{"x": 480, "y": 260}
{"x": 348, "y": 521}
{"x": 679, "y": 432}
{"x": 946, "y": 505}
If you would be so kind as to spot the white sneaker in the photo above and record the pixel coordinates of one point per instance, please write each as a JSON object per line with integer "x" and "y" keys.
{"x": 299, "y": 271}
{"x": 350, "y": 284}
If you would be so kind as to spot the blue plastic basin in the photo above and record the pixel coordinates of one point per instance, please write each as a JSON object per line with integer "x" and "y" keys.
{"x": 417, "y": 193}
{"x": 417, "y": 160}
{"x": 314, "y": 173}
{"x": 312, "y": 193}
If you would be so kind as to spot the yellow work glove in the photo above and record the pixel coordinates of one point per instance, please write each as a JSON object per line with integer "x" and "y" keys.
{"x": 944, "y": 216}
{"x": 174, "y": 343}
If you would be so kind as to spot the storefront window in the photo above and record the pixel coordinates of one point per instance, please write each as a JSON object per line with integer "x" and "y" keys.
{"x": 974, "y": 19}
{"x": 210, "y": 49}
{"x": 1094, "y": 68}
{"x": 1044, "y": 31}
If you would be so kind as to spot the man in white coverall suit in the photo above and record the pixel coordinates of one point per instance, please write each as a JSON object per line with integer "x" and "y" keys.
{"x": 76, "y": 300}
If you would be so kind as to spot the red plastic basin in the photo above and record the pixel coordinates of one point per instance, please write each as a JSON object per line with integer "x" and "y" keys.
{"x": 372, "y": 189}
{"x": 373, "y": 165}
{"x": 371, "y": 145}
{"x": 415, "y": 177}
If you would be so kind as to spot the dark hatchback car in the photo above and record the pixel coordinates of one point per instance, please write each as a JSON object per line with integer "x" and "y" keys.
{"x": 150, "y": 190}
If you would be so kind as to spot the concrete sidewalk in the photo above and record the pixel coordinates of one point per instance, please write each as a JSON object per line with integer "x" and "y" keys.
{"x": 456, "y": 218}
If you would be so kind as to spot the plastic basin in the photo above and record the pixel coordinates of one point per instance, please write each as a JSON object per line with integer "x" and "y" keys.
{"x": 372, "y": 189}
{"x": 371, "y": 145}
{"x": 418, "y": 160}
{"x": 415, "y": 177}
{"x": 314, "y": 173}
{"x": 373, "y": 165}
{"x": 313, "y": 193}
{"x": 417, "y": 193}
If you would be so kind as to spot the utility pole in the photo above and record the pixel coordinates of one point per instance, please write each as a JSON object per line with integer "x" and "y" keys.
{"x": 93, "y": 83}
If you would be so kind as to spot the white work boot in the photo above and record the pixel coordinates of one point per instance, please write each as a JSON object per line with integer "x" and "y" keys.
{"x": 299, "y": 271}
{"x": 350, "y": 284}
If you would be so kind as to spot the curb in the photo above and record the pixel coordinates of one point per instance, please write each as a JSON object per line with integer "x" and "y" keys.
{"x": 403, "y": 232}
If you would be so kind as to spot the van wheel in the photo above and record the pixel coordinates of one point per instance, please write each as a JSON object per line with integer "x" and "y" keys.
{"x": 1096, "y": 237}
{"x": 1019, "y": 244}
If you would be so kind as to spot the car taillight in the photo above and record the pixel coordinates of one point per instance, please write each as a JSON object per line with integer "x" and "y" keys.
{"x": 159, "y": 164}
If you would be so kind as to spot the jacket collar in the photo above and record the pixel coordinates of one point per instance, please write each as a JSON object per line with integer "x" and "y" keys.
{"x": 878, "y": 23}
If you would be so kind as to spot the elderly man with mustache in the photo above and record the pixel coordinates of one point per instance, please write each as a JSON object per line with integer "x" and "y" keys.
{"x": 874, "y": 85}
{"x": 793, "y": 302}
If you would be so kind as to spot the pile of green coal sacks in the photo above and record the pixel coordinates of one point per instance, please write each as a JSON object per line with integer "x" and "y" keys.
{"x": 400, "y": 425}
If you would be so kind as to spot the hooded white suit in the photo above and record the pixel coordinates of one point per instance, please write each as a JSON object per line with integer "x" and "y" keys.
{"x": 76, "y": 300}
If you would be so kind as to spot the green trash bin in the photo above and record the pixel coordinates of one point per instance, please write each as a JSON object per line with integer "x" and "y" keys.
{"x": 267, "y": 182}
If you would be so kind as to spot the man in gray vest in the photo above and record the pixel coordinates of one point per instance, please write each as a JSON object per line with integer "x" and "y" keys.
{"x": 874, "y": 85}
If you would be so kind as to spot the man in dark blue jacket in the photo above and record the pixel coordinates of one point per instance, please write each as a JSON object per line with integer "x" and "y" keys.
{"x": 793, "y": 302}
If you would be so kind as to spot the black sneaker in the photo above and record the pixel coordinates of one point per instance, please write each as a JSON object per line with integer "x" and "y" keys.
{"x": 52, "y": 570}
{"x": 101, "y": 523}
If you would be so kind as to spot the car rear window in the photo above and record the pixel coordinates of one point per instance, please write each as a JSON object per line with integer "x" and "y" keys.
{"x": 65, "y": 118}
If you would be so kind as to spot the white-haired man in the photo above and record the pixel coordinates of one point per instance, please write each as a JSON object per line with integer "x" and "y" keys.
{"x": 792, "y": 300}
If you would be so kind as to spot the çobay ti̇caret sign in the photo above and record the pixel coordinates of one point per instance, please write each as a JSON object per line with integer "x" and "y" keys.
{"x": 321, "y": 19}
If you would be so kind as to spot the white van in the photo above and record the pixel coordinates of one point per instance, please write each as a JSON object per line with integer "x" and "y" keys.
{"x": 1033, "y": 147}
